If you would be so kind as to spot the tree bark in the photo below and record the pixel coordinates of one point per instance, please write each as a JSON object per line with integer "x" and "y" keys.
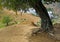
{"x": 46, "y": 23}
{"x": 7, "y": 24}
{"x": 16, "y": 12}
{"x": 21, "y": 13}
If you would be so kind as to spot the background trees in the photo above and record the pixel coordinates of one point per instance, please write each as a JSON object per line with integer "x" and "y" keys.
{"x": 6, "y": 20}
{"x": 15, "y": 5}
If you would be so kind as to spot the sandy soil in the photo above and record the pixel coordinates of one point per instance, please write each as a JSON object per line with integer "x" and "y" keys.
{"x": 22, "y": 33}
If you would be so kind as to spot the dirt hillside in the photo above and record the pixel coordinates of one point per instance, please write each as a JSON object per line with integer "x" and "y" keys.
{"x": 22, "y": 32}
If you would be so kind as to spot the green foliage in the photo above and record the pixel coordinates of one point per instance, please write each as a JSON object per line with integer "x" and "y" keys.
{"x": 20, "y": 4}
{"x": 6, "y": 20}
{"x": 38, "y": 23}
{"x": 1, "y": 24}
{"x": 14, "y": 5}
{"x": 0, "y": 4}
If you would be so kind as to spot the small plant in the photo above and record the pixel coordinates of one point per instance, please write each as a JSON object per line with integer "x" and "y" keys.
{"x": 39, "y": 23}
{"x": 6, "y": 20}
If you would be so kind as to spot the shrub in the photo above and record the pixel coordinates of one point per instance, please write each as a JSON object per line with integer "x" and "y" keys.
{"x": 6, "y": 20}
{"x": 38, "y": 23}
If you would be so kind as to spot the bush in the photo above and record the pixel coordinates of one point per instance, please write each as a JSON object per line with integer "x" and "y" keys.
{"x": 38, "y": 23}
{"x": 6, "y": 20}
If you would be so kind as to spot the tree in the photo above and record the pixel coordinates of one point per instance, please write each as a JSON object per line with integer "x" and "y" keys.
{"x": 41, "y": 10}
{"x": 15, "y": 5}
{"x": 0, "y": 5}
{"x": 24, "y": 8}
{"x": 7, "y": 20}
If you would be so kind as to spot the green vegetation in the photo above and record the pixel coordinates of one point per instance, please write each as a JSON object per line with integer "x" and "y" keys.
{"x": 17, "y": 5}
{"x": 1, "y": 24}
{"x": 6, "y": 20}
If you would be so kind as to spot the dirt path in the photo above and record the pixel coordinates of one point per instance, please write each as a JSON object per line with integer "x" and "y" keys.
{"x": 19, "y": 33}
{"x": 14, "y": 34}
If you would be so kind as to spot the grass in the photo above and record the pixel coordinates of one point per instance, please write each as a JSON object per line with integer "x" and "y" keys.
{"x": 2, "y": 25}
{"x": 11, "y": 23}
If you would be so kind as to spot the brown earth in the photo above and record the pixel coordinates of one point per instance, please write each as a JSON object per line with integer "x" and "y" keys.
{"x": 22, "y": 32}
{"x": 29, "y": 18}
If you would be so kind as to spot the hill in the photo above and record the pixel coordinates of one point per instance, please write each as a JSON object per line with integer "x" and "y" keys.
{"x": 22, "y": 32}
{"x": 26, "y": 18}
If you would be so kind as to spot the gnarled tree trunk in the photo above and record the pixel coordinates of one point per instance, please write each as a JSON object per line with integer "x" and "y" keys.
{"x": 46, "y": 23}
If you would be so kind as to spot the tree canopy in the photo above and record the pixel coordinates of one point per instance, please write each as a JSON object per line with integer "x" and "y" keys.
{"x": 20, "y": 4}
